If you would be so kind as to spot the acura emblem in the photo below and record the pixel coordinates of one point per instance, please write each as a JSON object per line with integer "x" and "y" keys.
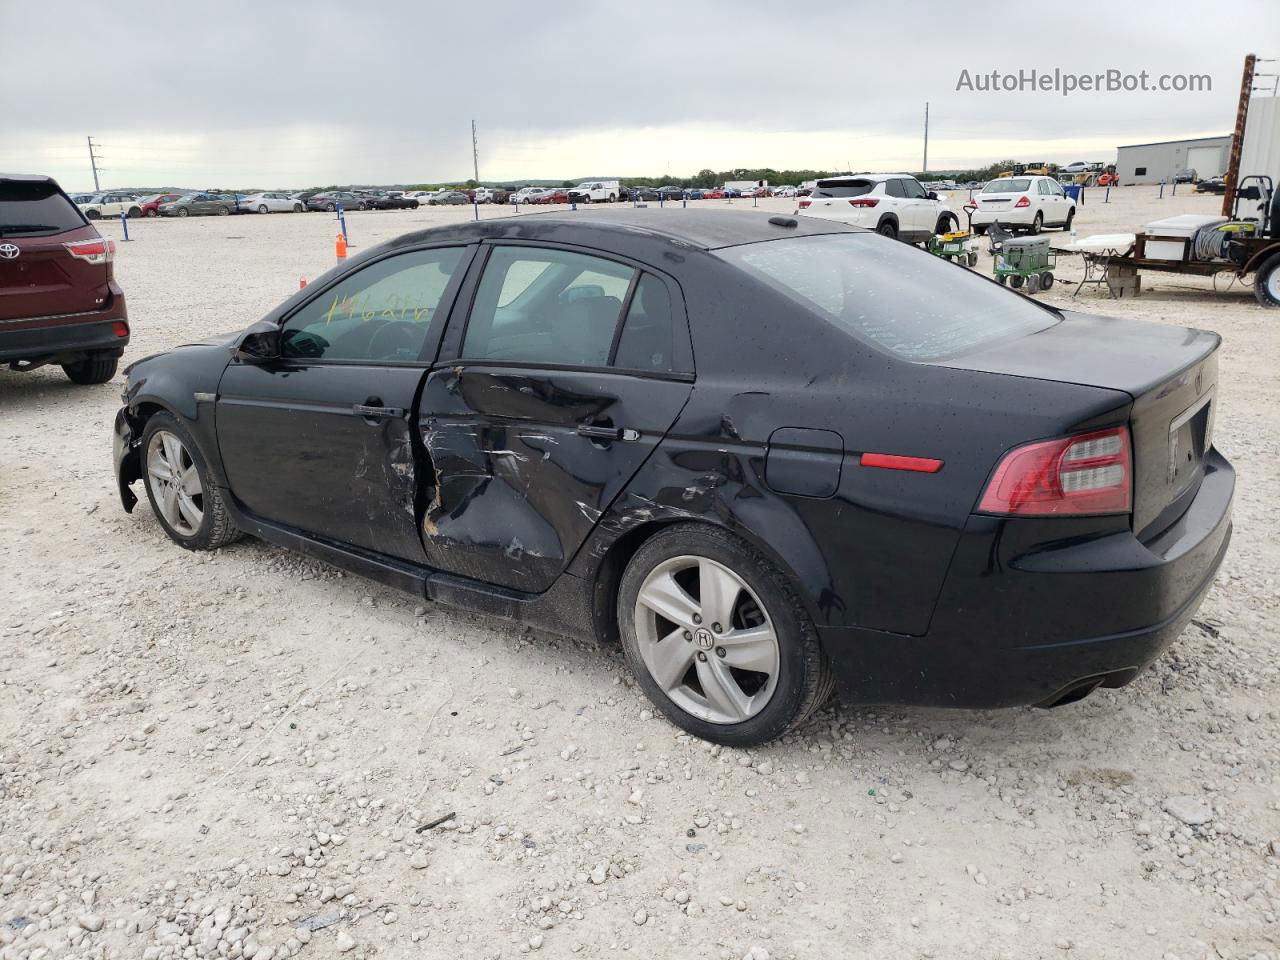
{"x": 9, "y": 251}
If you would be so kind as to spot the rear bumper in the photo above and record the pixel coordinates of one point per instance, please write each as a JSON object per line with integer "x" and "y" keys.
{"x": 1017, "y": 626}
{"x": 1018, "y": 217}
{"x": 65, "y": 339}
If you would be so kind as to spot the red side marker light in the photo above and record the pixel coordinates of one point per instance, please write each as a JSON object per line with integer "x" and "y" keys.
{"x": 889, "y": 461}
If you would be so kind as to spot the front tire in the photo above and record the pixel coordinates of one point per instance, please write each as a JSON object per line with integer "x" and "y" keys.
{"x": 183, "y": 496}
{"x": 93, "y": 215}
{"x": 96, "y": 368}
{"x": 718, "y": 639}
{"x": 1071, "y": 215}
{"x": 135, "y": 213}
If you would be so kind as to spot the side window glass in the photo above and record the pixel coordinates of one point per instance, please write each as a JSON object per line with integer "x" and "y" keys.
{"x": 648, "y": 333}
{"x": 380, "y": 314}
{"x": 546, "y": 306}
{"x": 913, "y": 190}
{"x": 894, "y": 188}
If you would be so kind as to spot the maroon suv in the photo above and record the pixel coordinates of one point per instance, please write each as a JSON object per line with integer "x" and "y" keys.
{"x": 59, "y": 302}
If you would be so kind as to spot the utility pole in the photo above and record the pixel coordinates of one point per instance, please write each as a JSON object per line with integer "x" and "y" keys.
{"x": 93, "y": 162}
{"x": 475, "y": 154}
{"x": 925, "y": 166}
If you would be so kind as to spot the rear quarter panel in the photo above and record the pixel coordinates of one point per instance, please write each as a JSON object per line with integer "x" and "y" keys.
{"x": 874, "y": 554}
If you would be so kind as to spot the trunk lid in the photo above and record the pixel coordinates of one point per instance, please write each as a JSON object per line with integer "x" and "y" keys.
{"x": 1170, "y": 374}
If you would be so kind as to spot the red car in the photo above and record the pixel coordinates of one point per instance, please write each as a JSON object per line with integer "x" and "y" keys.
{"x": 713, "y": 193}
{"x": 59, "y": 301}
{"x": 150, "y": 206}
{"x": 558, "y": 195}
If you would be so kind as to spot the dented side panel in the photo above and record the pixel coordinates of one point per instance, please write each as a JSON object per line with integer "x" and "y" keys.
{"x": 518, "y": 489}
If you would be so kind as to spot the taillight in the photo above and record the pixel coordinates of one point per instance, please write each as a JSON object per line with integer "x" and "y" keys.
{"x": 1089, "y": 473}
{"x": 120, "y": 328}
{"x": 98, "y": 250}
{"x": 1023, "y": 202}
{"x": 804, "y": 204}
{"x": 864, "y": 201}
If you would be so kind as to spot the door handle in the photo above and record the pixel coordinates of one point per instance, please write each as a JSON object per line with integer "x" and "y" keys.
{"x": 373, "y": 410}
{"x": 607, "y": 433}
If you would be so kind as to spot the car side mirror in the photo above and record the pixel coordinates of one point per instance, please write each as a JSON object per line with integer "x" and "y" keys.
{"x": 259, "y": 344}
{"x": 932, "y": 195}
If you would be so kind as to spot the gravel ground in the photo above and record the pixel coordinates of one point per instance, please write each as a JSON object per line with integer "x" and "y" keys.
{"x": 228, "y": 754}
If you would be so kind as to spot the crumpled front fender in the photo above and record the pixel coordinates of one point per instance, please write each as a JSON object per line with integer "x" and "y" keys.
{"x": 128, "y": 457}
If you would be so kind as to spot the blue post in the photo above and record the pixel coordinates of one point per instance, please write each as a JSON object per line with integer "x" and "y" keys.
{"x": 1106, "y": 198}
{"x": 124, "y": 222}
{"x": 342, "y": 223}
{"x": 573, "y": 204}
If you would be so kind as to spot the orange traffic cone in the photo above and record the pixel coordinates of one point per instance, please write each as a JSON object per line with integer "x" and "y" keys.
{"x": 340, "y": 247}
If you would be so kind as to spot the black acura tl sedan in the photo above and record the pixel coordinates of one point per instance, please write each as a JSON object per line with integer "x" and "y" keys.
{"x": 771, "y": 456}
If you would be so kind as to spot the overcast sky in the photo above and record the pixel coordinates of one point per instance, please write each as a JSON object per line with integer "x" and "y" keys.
{"x": 300, "y": 94}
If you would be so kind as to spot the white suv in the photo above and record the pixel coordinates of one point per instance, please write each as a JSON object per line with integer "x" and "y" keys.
{"x": 101, "y": 205}
{"x": 892, "y": 204}
{"x": 1028, "y": 203}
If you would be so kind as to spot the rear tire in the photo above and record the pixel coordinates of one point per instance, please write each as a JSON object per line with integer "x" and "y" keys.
{"x": 153, "y": 212}
{"x": 1037, "y": 223}
{"x": 215, "y": 527}
{"x": 223, "y": 211}
{"x": 757, "y": 598}
{"x": 297, "y": 208}
{"x": 262, "y": 208}
{"x": 1266, "y": 282}
{"x": 887, "y": 228}
{"x": 96, "y": 368}
{"x": 93, "y": 215}
{"x": 184, "y": 212}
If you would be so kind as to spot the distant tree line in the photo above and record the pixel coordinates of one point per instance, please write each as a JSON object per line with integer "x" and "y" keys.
{"x": 703, "y": 178}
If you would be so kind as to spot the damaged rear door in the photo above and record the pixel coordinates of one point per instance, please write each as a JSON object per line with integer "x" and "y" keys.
{"x": 570, "y": 370}
{"x": 321, "y": 440}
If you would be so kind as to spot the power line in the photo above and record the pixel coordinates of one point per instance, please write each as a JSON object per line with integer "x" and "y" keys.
{"x": 94, "y": 157}
{"x": 475, "y": 154}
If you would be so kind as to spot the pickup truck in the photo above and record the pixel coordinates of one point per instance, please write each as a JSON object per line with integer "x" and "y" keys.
{"x": 596, "y": 191}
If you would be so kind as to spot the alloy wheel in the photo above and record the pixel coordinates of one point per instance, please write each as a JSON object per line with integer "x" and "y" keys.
{"x": 707, "y": 640}
{"x": 175, "y": 483}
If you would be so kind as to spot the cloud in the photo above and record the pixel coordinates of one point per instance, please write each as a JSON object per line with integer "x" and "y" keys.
{"x": 324, "y": 92}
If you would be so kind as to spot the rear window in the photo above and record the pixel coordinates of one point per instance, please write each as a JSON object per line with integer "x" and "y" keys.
{"x": 35, "y": 209}
{"x": 843, "y": 188}
{"x": 1017, "y": 185}
{"x": 914, "y": 305}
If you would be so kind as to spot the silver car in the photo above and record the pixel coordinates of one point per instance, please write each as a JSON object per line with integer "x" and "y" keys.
{"x": 269, "y": 203}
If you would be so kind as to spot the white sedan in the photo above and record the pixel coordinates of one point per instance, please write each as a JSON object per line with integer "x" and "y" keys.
{"x": 1028, "y": 203}
{"x": 269, "y": 203}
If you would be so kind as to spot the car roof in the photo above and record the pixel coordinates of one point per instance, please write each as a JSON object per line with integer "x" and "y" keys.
{"x": 866, "y": 176}
{"x": 27, "y": 177}
{"x": 611, "y": 228}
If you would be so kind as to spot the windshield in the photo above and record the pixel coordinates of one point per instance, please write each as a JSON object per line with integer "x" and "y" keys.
{"x": 1017, "y": 185}
{"x": 916, "y": 306}
{"x": 35, "y": 208}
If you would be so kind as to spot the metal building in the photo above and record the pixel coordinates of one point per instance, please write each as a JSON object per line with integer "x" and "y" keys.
{"x": 1156, "y": 162}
